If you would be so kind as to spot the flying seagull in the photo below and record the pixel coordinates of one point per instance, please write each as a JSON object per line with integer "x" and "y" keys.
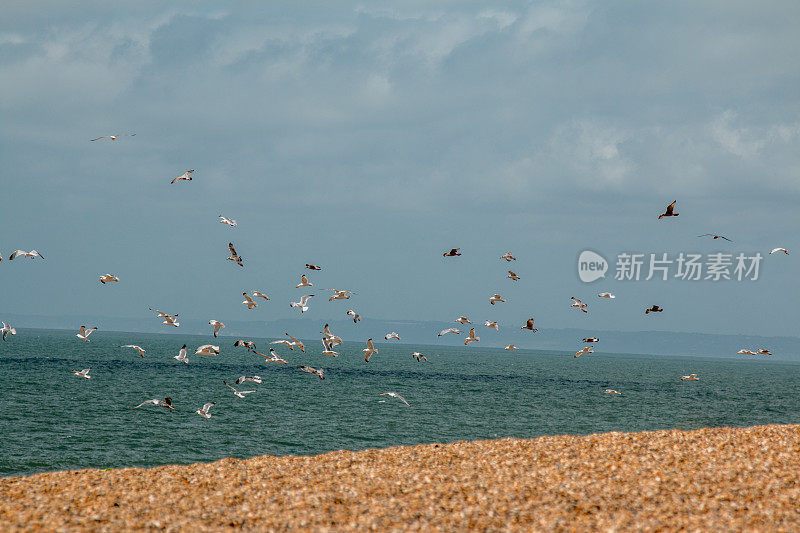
{"x": 463, "y": 320}
{"x": 334, "y": 340}
{"x": 449, "y": 330}
{"x": 612, "y": 392}
{"x": 84, "y": 333}
{"x": 135, "y": 347}
{"x": 784, "y": 250}
{"x": 166, "y": 402}
{"x": 328, "y": 348}
{"x": 204, "y": 410}
{"x": 170, "y": 321}
{"x": 471, "y": 337}
{"x": 184, "y": 176}
{"x": 690, "y": 377}
{"x": 113, "y": 137}
{"x": 508, "y": 257}
{"x": 746, "y": 352}
{"x": 578, "y": 304}
{"x": 303, "y": 282}
{"x": 764, "y": 351}
{"x": 513, "y": 276}
{"x": 529, "y": 326}
{"x": 250, "y": 345}
{"x": 583, "y": 351}
{"x": 356, "y": 316}
{"x": 236, "y": 258}
{"x": 207, "y": 349}
{"x": 670, "y": 211}
{"x": 108, "y": 278}
{"x": 248, "y": 301}
{"x": 182, "y": 355}
{"x": 369, "y": 351}
{"x": 8, "y": 330}
{"x": 510, "y": 347}
{"x": 418, "y": 356}
{"x": 259, "y": 294}
{"x": 228, "y": 221}
{"x": 590, "y": 340}
{"x": 254, "y": 379}
{"x": 273, "y": 358}
{"x": 29, "y": 255}
{"x": 490, "y": 324}
{"x": 392, "y": 335}
{"x": 395, "y": 395}
{"x": 83, "y": 373}
{"x": 313, "y": 267}
{"x": 296, "y": 343}
{"x": 301, "y": 305}
{"x": 654, "y": 309}
{"x": 496, "y": 298}
{"x": 217, "y": 325}
{"x": 319, "y": 372}
{"x": 339, "y": 295}
{"x": 606, "y": 295}
{"x": 238, "y": 393}
{"x": 714, "y": 236}
{"x": 161, "y": 314}
{"x": 452, "y": 253}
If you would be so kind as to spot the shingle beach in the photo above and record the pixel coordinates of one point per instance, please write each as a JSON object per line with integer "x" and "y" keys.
{"x": 704, "y": 480}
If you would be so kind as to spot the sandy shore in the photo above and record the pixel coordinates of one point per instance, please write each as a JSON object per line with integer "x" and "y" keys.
{"x": 709, "y": 479}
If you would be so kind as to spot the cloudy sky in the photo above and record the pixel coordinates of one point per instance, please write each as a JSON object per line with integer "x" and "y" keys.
{"x": 371, "y": 137}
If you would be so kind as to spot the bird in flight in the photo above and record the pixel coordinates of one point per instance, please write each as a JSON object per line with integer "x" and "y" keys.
{"x": 449, "y": 330}
{"x": 113, "y": 137}
{"x": 670, "y": 212}
{"x": 182, "y": 355}
{"x": 328, "y": 348}
{"x": 714, "y": 236}
{"x": 108, "y": 278}
{"x": 512, "y": 275}
{"x": 236, "y": 258}
{"x": 166, "y": 402}
{"x": 203, "y": 411}
{"x": 29, "y": 255}
{"x": 418, "y": 356}
{"x": 339, "y": 295}
{"x": 578, "y": 304}
{"x": 313, "y": 267}
{"x": 496, "y": 298}
{"x": 228, "y": 221}
{"x": 764, "y": 351}
{"x": 591, "y": 339}
{"x": 254, "y": 379}
{"x": 303, "y": 282}
{"x": 273, "y": 357}
{"x": 392, "y": 335}
{"x": 83, "y": 373}
{"x": 606, "y": 295}
{"x": 471, "y": 337}
{"x": 238, "y": 393}
{"x": 135, "y": 347}
{"x": 161, "y": 314}
{"x": 452, "y": 253}
{"x": 83, "y": 333}
{"x": 690, "y": 377}
{"x": 217, "y": 325}
{"x": 654, "y": 309}
{"x": 395, "y": 395}
{"x": 490, "y": 324}
{"x": 296, "y": 343}
{"x": 508, "y": 257}
{"x": 248, "y": 301}
{"x": 8, "y": 330}
{"x": 746, "y": 352}
{"x": 334, "y": 340}
{"x": 784, "y": 250}
{"x": 510, "y": 347}
{"x": 369, "y": 351}
{"x": 250, "y": 345}
{"x": 583, "y": 351}
{"x": 207, "y": 349}
{"x": 356, "y": 316}
{"x": 170, "y": 321}
{"x": 612, "y": 392}
{"x": 463, "y": 320}
{"x": 529, "y": 325}
{"x": 185, "y": 176}
{"x": 301, "y": 305}
{"x": 259, "y": 294}
{"x": 319, "y": 372}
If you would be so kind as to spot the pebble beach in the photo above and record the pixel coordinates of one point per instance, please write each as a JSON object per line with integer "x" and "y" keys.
{"x": 709, "y": 479}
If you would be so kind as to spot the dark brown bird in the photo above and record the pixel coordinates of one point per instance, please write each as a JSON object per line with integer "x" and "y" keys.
{"x": 529, "y": 326}
{"x": 313, "y": 267}
{"x": 591, "y": 339}
{"x": 452, "y": 253}
{"x": 670, "y": 211}
{"x": 654, "y": 309}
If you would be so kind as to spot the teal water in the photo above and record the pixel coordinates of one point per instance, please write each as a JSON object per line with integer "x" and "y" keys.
{"x": 52, "y": 420}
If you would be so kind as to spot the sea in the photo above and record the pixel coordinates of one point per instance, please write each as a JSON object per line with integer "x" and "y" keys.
{"x": 52, "y": 420}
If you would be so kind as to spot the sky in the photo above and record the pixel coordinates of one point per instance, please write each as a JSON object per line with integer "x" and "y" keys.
{"x": 369, "y": 138}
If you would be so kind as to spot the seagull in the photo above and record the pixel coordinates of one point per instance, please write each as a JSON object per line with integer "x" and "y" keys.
{"x": 449, "y": 330}
{"x": 513, "y": 276}
{"x": 83, "y": 373}
{"x": 108, "y": 278}
{"x": 670, "y": 211}
{"x": 583, "y": 351}
{"x": 510, "y": 347}
{"x": 207, "y": 349}
{"x": 452, "y": 253}
{"x": 234, "y": 256}
{"x": 204, "y": 410}
{"x": 182, "y": 357}
{"x": 784, "y": 250}
{"x": 463, "y": 320}
{"x": 339, "y": 295}
{"x": 296, "y": 343}
{"x": 166, "y": 402}
{"x": 319, "y": 372}
{"x": 654, "y": 309}
{"x": 170, "y": 321}
{"x": 418, "y": 356}
{"x": 578, "y": 304}
{"x": 184, "y": 176}
{"x": 135, "y": 347}
{"x": 764, "y": 351}
{"x": 30, "y": 255}
{"x": 490, "y": 324}
{"x": 392, "y": 335}
{"x": 496, "y": 298}
{"x": 254, "y": 379}
{"x": 395, "y": 395}
{"x": 529, "y": 326}
{"x": 471, "y": 337}
{"x": 690, "y": 377}
{"x": 228, "y": 221}
{"x": 284, "y": 341}
{"x": 302, "y": 303}
{"x": 8, "y": 330}
{"x": 508, "y": 257}
{"x": 238, "y": 393}
{"x": 313, "y": 267}
{"x": 612, "y": 392}
{"x": 248, "y": 301}
{"x": 83, "y": 333}
{"x": 274, "y": 357}
{"x": 356, "y": 316}
{"x": 591, "y": 340}
{"x": 746, "y": 352}
{"x": 259, "y": 294}
{"x": 113, "y": 137}
{"x": 714, "y": 236}
{"x": 162, "y": 314}
{"x": 303, "y": 282}
{"x": 328, "y": 349}
{"x": 217, "y": 325}
{"x": 369, "y": 351}
{"x": 606, "y": 295}
{"x": 333, "y": 340}
{"x": 250, "y": 345}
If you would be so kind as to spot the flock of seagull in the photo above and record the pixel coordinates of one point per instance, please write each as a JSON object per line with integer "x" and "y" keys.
{"x": 329, "y": 339}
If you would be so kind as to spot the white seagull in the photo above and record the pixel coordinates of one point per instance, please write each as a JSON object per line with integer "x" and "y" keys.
{"x": 510, "y": 347}
{"x": 259, "y": 294}
{"x": 584, "y": 351}
{"x": 236, "y": 258}
{"x": 166, "y": 402}
{"x": 83, "y": 373}
{"x": 463, "y": 320}
{"x": 296, "y": 343}
{"x": 784, "y": 250}
{"x": 113, "y": 137}
{"x": 508, "y": 257}
{"x": 30, "y": 255}
{"x": 182, "y": 355}
{"x": 8, "y": 330}
{"x": 334, "y": 340}
{"x": 764, "y": 351}
{"x": 339, "y": 294}
{"x": 490, "y": 324}
{"x": 228, "y": 221}
{"x": 207, "y": 349}
{"x": 248, "y": 301}
{"x": 392, "y": 335}
{"x": 250, "y": 345}
{"x": 418, "y": 356}
{"x": 204, "y": 410}
{"x": 746, "y": 352}
{"x": 449, "y": 330}
{"x": 135, "y": 347}
{"x": 578, "y": 304}
{"x": 471, "y": 337}
{"x": 254, "y": 379}
{"x": 274, "y": 357}
{"x": 83, "y": 333}
{"x": 303, "y": 282}
{"x": 301, "y": 305}
{"x": 185, "y": 176}
{"x": 319, "y": 372}
{"x": 496, "y": 298}
{"x": 238, "y": 393}
{"x": 161, "y": 314}
{"x": 328, "y": 349}
{"x": 170, "y": 321}
{"x": 395, "y": 395}
{"x": 606, "y": 295}
{"x": 612, "y": 392}
{"x": 369, "y": 351}
{"x": 217, "y": 325}
{"x": 356, "y": 316}
{"x": 108, "y": 278}
{"x": 690, "y": 377}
